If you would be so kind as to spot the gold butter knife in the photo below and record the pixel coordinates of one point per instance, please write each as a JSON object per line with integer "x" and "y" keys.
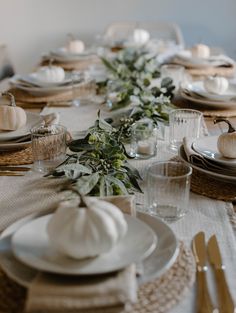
{"x": 204, "y": 303}
{"x": 226, "y": 304}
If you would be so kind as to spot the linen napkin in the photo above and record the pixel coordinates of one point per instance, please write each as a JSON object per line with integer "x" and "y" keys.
{"x": 104, "y": 293}
{"x": 199, "y": 160}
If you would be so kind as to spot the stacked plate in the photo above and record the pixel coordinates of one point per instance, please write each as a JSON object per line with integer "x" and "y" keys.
{"x": 20, "y": 138}
{"x": 25, "y": 249}
{"x": 33, "y": 86}
{"x": 196, "y": 92}
{"x": 63, "y": 55}
{"x": 206, "y": 158}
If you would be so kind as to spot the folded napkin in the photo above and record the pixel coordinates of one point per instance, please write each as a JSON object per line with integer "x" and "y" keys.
{"x": 108, "y": 293}
{"x": 199, "y": 160}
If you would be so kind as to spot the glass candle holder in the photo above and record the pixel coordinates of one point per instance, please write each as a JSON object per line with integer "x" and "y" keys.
{"x": 48, "y": 147}
{"x": 143, "y": 139}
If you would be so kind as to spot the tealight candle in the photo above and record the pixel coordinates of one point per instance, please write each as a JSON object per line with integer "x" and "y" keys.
{"x": 145, "y": 148}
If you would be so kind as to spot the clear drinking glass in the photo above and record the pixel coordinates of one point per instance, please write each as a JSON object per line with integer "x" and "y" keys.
{"x": 183, "y": 123}
{"x": 143, "y": 139}
{"x": 167, "y": 190}
{"x": 48, "y": 146}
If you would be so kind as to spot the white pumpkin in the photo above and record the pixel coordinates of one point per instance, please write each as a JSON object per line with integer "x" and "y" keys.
{"x": 75, "y": 46}
{"x": 50, "y": 74}
{"x": 11, "y": 116}
{"x": 87, "y": 230}
{"x": 226, "y": 142}
{"x": 200, "y": 51}
{"x": 141, "y": 36}
{"x": 216, "y": 84}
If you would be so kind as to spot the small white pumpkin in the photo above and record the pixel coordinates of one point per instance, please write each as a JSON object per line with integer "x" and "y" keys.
{"x": 141, "y": 36}
{"x": 75, "y": 46}
{"x": 12, "y": 117}
{"x": 200, "y": 51}
{"x": 86, "y": 230}
{"x": 50, "y": 74}
{"x": 226, "y": 142}
{"x": 216, "y": 84}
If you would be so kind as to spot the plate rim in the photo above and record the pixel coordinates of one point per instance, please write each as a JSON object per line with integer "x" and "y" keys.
{"x": 218, "y": 176}
{"x": 225, "y": 161}
{"x": 48, "y": 267}
{"x": 39, "y": 120}
{"x": 32, "y": 272}
{"x": 208, "y": 103}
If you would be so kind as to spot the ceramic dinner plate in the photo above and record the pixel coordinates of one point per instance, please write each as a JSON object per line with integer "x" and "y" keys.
{"x": 32, "y": 120}
{"x": 30, "y": 245}
{"x": 160, "y": 260}
{"x": 40, "y": 91}
{"x": 221, "y": 177}
{"x": 208, "y": 103}
{"x": 207, "y": 147}
{"x": 12, "y": 146}
{"x": 61, "y": 54}
{"x": 32, "y": 79}
{"x": 198, "y": 88}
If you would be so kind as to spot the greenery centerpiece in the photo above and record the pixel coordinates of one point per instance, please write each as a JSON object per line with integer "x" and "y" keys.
{"x": 98, "y": 163}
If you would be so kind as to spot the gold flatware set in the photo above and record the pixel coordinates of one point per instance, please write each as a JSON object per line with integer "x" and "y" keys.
{"x": 14, "y": 170}
{"x": 211, "y": 252}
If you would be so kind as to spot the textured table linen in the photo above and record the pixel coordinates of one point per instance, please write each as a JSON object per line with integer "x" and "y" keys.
{"x": 22, "y": 195}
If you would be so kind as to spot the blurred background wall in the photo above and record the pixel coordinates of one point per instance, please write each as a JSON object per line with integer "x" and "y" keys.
{"x": 31, "y": 27}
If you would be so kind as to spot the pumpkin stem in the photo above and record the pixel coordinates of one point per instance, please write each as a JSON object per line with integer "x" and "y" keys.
{"x": 82, "y": 203}
{"x": 12, "y": 98}
{"x": 231, "y": 128}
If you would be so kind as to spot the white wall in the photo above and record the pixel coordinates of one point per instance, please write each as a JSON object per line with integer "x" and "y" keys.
{"x": 31, "y": 27}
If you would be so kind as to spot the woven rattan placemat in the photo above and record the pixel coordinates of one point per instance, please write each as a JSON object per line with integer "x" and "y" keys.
{"x": 210, "y": 187}
{"x": 20, "y": 157}
{"x": 158, "y": 296}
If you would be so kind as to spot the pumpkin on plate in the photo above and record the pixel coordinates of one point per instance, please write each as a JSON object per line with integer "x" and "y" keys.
{"x": 74, "y": 45}
{"x": 226, "y": 142}
{"x": 86, "y": 230}
{"x": 200, "y": 51}
{"x": 216, "y": 84}
{"x": 12, "y": 117}
{"x": 50, "y": 74}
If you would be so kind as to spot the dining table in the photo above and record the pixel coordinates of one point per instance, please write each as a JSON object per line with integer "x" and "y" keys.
{"x": 32, "y": 193}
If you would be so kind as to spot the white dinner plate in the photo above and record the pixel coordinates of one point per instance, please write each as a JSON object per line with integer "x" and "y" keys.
{"x": 32, "y": 79}
{"x": 206, "y": 103}
{"x": 198, "y": 88}
{"x": 33, "y": 119}
{"x": 207, "y": 147}
{"x": 61, "y": 54}
{"x": 40, "y": 91}
{"x": 30, "y": 244}
{"x": 221, "y": 177}
{"x": 161, "y": 259}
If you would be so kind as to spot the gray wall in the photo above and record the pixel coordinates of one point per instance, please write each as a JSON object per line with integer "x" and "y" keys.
{"x": 31, "y": 27}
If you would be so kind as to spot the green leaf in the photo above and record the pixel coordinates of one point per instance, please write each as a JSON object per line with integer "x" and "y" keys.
{"x": 104, "y": 125}
{"x": 118, "y": 183}
{"x": 109, "y": 65}
{"x": 109, "y": 189}
{"x": 86, "y": 183}
{"x": 102, "y": 187}
{"x": 131, "y": 169}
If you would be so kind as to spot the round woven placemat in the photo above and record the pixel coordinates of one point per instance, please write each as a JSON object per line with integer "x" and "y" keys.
{"x": 81, "y": 90}
{"x": 20, "y": 157}
{"x": 210, "y": 187}
{"x": 158, "y": 296}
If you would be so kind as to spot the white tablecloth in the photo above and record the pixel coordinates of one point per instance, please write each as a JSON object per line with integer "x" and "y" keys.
{"x": 22, "y": 195}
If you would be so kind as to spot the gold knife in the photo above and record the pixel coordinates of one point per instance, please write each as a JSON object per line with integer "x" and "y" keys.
{"x": 226, "y": 304}
{"x": 14, "y": 168}
{"x": 204, "y": 303}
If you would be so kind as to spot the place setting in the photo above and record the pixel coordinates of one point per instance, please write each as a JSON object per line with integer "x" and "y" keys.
{"x": 44, "y": 266}
{"x": 214, "y": 92}
{"x": 200, "y": 61}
